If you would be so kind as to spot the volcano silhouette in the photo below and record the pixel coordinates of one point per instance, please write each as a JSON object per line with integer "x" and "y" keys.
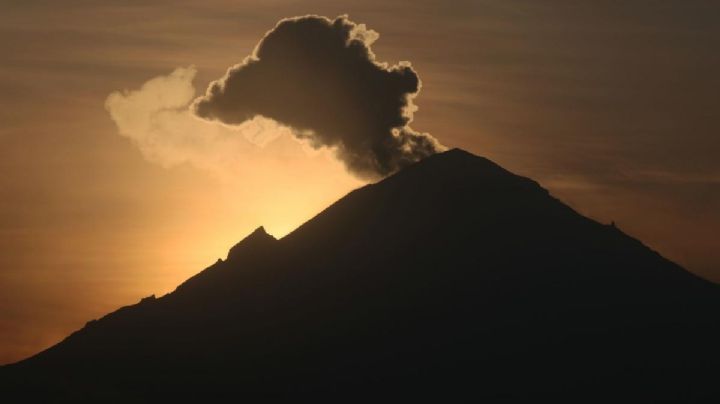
{"x": 452, "y": 280}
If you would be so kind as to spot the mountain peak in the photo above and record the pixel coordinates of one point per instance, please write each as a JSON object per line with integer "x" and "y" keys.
{"x": 456, "y": 151}
{"x": 459, "y": 164}
{"x": 259, "y": 239}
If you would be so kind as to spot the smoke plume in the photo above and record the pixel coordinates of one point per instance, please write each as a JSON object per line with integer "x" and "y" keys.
{"x": 320, "y": 77}
{"x": 157, "y": 119}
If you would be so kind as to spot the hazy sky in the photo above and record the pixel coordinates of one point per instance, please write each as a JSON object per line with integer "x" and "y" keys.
{"x": 612, "y": 105}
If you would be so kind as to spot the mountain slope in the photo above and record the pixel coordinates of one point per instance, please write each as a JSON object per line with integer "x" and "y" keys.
{"x": 453, "y": 278}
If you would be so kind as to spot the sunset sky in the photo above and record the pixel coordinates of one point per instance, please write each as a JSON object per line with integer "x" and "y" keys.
{"x": 111, "y": 190}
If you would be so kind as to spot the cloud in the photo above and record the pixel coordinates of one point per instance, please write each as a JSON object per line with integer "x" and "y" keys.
{"x": 157, "y": 119}
{"x": 320, "y": 77}
{"x": 259, "y": 173}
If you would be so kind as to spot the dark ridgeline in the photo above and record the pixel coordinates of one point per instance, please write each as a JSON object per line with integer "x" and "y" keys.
{"x": 453, "y": 279}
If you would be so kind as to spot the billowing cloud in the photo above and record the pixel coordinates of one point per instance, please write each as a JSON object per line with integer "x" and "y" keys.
{"x": 260, "y": 174}
{"x": 320, "y": 77}
{"x": 157, "y": 119}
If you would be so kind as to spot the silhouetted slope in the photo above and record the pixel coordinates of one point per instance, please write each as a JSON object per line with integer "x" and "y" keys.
{"x": 452, "y": 279}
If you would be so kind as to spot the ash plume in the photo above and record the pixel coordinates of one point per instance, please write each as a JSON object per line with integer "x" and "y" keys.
{"x": 321, "y": 78}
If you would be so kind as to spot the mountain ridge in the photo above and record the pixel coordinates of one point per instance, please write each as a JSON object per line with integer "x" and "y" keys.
{"x": 452, "y": 274}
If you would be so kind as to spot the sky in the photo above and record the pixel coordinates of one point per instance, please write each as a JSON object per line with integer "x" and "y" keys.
{"x": 112, "y": 190}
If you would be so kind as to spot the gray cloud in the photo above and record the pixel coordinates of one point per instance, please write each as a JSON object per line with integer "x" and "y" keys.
{"x": 320, "y": 77}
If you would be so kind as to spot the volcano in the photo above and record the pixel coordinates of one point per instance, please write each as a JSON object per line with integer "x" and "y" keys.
{"x": 451, "y": 280}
